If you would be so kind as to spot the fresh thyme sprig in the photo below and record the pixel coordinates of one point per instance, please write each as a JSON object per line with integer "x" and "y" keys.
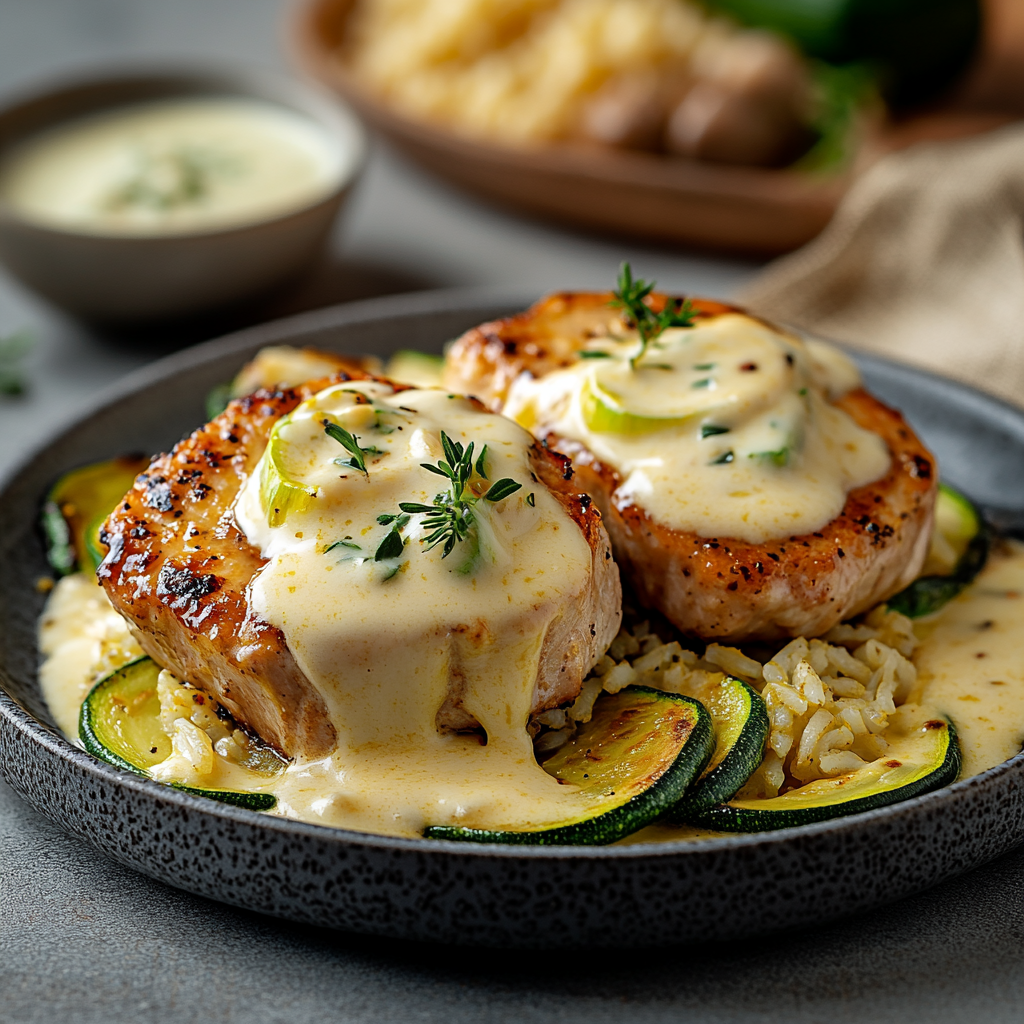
{"x": 449, "y": 520}
{"x": 351, "y": 444}
{"x": 631, "y": 298}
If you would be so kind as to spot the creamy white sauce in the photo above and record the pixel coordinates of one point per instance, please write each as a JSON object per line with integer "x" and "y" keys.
{"x": 174, "y": 166}
{"x": 81, "y": 636}
{"x": 971, "y": 662}
{"x": 724, "y": 429}
{"x": 387, "y": 642}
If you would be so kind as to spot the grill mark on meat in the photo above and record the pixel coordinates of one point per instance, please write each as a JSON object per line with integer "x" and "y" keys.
{"x": 185, "y": 583}
{"x": 156, "y": 493}
{"x": 196, "y": 622}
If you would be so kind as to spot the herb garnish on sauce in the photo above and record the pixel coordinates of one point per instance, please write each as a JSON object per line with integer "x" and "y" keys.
{"x": 631, "y": 298}
{"x": 450, "y": 519}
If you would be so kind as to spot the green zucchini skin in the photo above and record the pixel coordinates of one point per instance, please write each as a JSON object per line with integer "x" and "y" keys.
{"x": 769, "y": 818}
{"x": 928, "y": 594}
{"x": 606, "y": 827}
{"x": 76, "y": 507}
{"x": 234, "y": 797}
{"x": 133, "y": 679}
{"x": 217, "y": 399}
{"x": 60, "y": 551}
{"x": 739, "y": 762}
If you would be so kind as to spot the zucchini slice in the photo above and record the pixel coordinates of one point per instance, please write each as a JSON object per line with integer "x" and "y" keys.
{"x": 635, "y": 758}
{"x": 217, "y": 399}
{"x": 926, "y": 758}
{"x": 962, "y": 539}
{"x": 421, "y": 369}
{"x": 76, "y": 507}
{"x": 120, "y": 724}
{"x": 741, "y": 735}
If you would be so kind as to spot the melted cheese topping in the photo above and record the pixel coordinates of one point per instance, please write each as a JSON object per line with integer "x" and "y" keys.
{"x": 388, "y": 641}
{"x": 724, "y": 429}
{"x": 174, "y": 166}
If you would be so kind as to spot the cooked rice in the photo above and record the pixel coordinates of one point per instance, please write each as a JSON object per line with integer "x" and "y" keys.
{"x": 829, "y": 700}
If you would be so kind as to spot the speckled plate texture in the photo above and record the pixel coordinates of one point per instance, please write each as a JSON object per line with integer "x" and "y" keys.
{"x": 469, "y": 894}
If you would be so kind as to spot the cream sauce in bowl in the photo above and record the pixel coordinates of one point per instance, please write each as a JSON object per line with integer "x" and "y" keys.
{"x": 175, "y": 166}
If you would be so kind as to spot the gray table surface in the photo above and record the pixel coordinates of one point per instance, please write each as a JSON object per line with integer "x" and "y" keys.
{"x": 83, "y": 939}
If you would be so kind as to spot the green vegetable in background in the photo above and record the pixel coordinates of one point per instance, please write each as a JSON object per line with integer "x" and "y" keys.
{"x": 918, "y": 46}
{"x": 13, "y": 349}
{"x": 840, "y": 94}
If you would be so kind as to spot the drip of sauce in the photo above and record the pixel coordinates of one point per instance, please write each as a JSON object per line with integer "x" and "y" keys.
{"x": 722, "y": 429}
{"x": 172, "y": 167}
{"x": 392, "y": 641}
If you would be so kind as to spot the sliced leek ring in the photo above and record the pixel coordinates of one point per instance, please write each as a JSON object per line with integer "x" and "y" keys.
{"x": 280, "y": 493}
{"x": 603, "y": 414}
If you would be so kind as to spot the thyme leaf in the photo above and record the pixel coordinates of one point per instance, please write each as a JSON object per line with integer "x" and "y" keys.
{"x": 13, "y": 348}
{"x": 342, "y": 544}
{"x": 501, "y": 489}
{"x": 390, "y": 547}
{"x": 350, "y": 443}
{"x": 449, "y": 520}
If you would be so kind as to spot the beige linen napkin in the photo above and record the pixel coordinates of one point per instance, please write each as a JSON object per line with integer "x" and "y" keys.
{"x": 923, "y": 262}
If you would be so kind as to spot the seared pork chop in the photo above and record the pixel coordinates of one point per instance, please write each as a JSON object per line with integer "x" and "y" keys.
{"x": 720, "y": 587}
{"x": 178, "y": 569}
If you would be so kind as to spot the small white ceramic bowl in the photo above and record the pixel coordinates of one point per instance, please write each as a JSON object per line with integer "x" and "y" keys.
{"x": 133, "y": 277}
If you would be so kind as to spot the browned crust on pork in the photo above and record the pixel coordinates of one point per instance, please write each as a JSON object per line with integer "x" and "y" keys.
{"x": 487, "y": 359}
{"x": 582, "y": 633}
{"x": 718, "y": 587}
{"x": 178, "y": 569}
{"x": 727, "y": 589}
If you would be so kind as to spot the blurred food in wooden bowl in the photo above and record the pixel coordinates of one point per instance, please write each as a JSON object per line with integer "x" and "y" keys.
{"x": 656, "y": 118}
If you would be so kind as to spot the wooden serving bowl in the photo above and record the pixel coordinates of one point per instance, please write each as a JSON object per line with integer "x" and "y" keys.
{"x": 669, "y": 199}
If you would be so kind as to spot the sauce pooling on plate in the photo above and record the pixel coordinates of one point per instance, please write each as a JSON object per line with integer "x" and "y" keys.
{"x": 172, "y": 167}
{"x": 723, "y": 429}
{"x": 970, "y": 666}
{"x": 389, "y": 630}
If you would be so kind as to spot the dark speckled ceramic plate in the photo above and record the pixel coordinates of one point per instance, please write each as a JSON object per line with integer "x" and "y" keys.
{"x": 441, "y": 892}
